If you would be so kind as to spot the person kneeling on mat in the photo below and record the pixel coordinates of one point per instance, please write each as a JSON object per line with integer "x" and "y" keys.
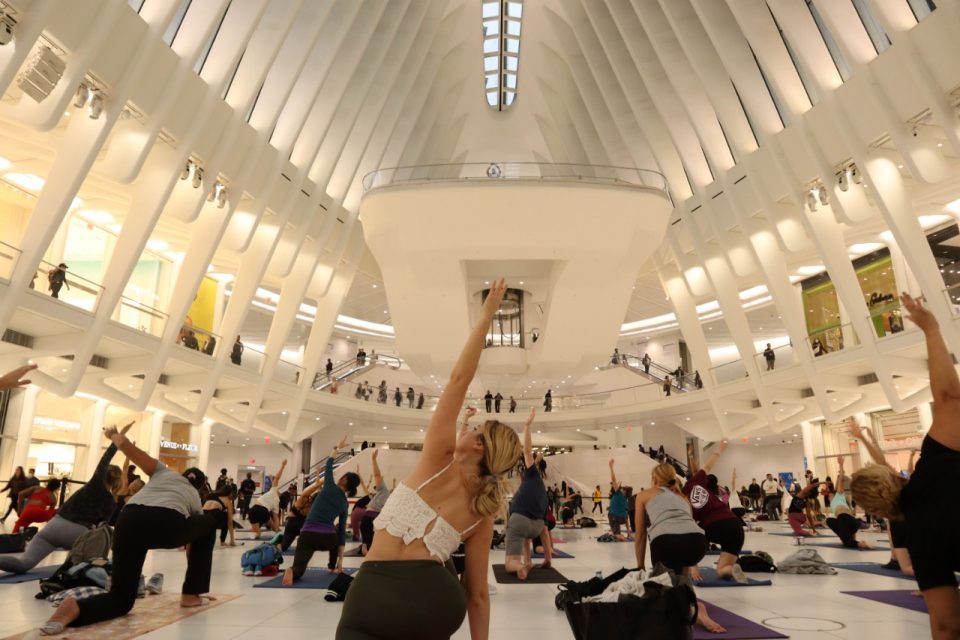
{"x": 527, "y": 511}
{"x": 165, "y": 514}
{"x": 266, "y": 509}
{"x": 319, "y": 533}
{"x": 844, "y": 523}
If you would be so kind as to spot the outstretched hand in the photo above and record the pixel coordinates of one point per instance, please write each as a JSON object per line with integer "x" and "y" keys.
{"x": 855, "y": 429}
{"x": 918, "y": 314}
{"x": 375, "y": 453}
{"x": 13, "y": 379}
{"x": 112, "y": 432}
{"x": 533, "y": 414}
{"x": 611, "y": 463}
{"x": 494, "y": 297}
{"x": 343, "y": 443}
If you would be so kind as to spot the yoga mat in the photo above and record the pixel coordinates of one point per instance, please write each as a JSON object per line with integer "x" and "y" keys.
{"x": 902, "y": 598}
{"x": 536, "y": 576}
{"x": 873, "y": 568}
{"x": 557, "y": 553}
{"x": 836, "y": 545}
{"x": 710, "y": 579}
{"x": 716, "y": 552}
{"x": 37, "y": 573}
{"x": 738, "y": 628}
{"x": 149, "y": 614}
{"x": 314, "y": 578}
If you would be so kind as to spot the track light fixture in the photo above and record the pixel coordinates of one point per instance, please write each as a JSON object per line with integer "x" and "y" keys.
{"x": 197, "y": 176}
{"x": 7, "y": 25}
{"x": 822, "y": 195}
{"x": 82, "y": 95}
{"x": 812, "y": 199}
{"x": 95, "y": 107}
{"x": 855, "y": 175}
{"x": 185, "y": 173}
{"x": 842, "y": 180}
{"x": 221, "y": 190}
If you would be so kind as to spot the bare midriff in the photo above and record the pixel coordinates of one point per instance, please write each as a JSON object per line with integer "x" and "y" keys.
{"x": 389, "y": 547}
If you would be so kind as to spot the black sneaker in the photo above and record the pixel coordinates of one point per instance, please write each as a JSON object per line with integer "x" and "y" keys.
{"x": 893, "y": 565}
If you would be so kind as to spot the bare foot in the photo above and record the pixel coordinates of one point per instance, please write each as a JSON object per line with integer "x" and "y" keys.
{"x": 287, "y": 577}
{"x": 522, "y": 572}
{"x": 704, "y": 620}
{"x": 67, "y": 612}
{"x": 191, "y": 600}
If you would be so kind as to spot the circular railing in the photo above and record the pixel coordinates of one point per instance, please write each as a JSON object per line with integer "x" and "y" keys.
{"x": 529, "y": 171}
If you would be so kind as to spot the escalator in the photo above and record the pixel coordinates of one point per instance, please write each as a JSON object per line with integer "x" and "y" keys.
{"x": 657, "y": 373}
{"x": 344, "y": 370}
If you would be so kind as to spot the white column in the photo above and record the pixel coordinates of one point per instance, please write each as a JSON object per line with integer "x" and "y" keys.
{"x": 203, "y": 453}
{"x": 806, "y": 430}
{"x": 925, "y": 411}
{"x": 156, "y": 431}
{"x": 296, "y": 464}
{"x": 95, "y": 438}
{"x": 28, "y": 411}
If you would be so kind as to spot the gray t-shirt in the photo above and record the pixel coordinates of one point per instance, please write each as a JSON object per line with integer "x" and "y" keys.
{"x": 669, "y": 515}
{"x": 376, "y": 503}
{"x": 170, "y": 490}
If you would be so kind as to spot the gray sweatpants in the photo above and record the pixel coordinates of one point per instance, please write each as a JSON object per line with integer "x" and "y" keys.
{"x": 519, "y": 528}
{"x": 59, "y": 533}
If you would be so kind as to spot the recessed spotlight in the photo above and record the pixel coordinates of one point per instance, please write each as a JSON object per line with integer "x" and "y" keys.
{"x": 374, "y": 286}
{"x": 578, "y": 429}
{"x": 350, "y": 424}
{"x": 652, "y": 423}
{"x": 688, "y": 419}
{"x": 521, "y": 282}
{"x": 317, "y": 418}
{"x": 795, "y": 436}
{"x": 421, "y": 430}
{"x": 283, "y": 413}
{"x": 384, "y": 428}
{"x": 486, "y": 282}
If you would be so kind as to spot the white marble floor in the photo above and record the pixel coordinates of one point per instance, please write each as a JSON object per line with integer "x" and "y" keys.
{"x": 523, "y": 611}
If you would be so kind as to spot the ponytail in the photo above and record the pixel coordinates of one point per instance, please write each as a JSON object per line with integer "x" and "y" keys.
{"x": 501, "y": 448}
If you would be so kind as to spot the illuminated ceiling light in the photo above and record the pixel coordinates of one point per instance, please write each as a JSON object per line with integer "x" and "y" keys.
{"x": 863, "y": 248}
{"x": 350, "y": 424}
{"x": 96, "y": 216}
{"x": 928, "y": 220}
{"x": 374, "y": 286}
{"x": 384, "y": 428}
{"x": 155, "y": 244}
{"x": 27, "y": 181}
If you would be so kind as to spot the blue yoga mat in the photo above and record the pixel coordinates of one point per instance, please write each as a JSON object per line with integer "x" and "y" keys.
{"x": 314, "y": 578}
{"x": 37, "y": 573}
{"x": 710, "y": 579}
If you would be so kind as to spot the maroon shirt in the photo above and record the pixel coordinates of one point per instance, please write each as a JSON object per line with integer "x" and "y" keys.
{"x": 707, "y": 508}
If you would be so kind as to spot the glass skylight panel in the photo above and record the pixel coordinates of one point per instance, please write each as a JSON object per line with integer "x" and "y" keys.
{"x": 922, "y": 8}
{"x": 870, "y": 22}
{"x": 501, "y": 49}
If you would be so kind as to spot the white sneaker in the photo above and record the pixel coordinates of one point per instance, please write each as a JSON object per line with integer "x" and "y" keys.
{"x": 258, "y": 572}
{"x": 248, "y": 572}
{"x": 155, "y": 584}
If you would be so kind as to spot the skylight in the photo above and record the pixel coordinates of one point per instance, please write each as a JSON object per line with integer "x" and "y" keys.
{"x": 501, "y": 50}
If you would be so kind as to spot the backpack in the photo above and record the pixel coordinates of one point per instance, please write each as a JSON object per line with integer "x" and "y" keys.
{"x": 263, "y": 555}
{"x": 758, "y": 562}
{"x": 91, "y": 545}
{"x": 16, "y": 542}
{"x": 71, "y": 576}
{"x": 587, "y": 523}
{"x": 606, "y": 537}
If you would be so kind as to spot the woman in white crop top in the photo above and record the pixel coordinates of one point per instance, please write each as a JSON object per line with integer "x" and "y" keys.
{"x": 451, "y": 497}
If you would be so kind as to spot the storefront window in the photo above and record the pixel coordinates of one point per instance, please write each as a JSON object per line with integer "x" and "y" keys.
{"x": 945, "y": 246}
{"x": 178, "y": 446}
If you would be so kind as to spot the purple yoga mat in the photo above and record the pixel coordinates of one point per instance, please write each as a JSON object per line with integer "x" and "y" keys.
{"x": 898, "y": 598}
{"x": 738, "y": 628}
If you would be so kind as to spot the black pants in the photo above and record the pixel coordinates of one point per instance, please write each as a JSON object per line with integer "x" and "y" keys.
{"x": 220, "y": 522}
{"x": 308, "y": 543}
{"x": 55, "y": 289}
{"x": 771, "y": 505}
{"x": 140, "y": 529}
{"x": 676, "y": 551}
{"x": 12, "y": 508}
{"x": 597, "y": 505}
{"x": 846, "y": 527}
{"x": 244, "y": 502}
{"x": 403, "y": 600}
{"x": 487, "y": 405}
{"x": 291, "y": 529}
{"x": 366, "y": 528}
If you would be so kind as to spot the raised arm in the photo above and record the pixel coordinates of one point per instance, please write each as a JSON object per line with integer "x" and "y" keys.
{"x": 712, "y": 460}
{"x": 136, "y": 455}
{"x": 613, "y": 476}
{"x": 944, "y": 382}
{"x": 864, "y": 436}
{"x": 841, "y": 478}
{"x": 733, "y": 483}
{"x": 13, "y": 379}
{"x": 125, "y": 476}
{"x": 528, "y": 439}
{"x": 377, "y": 475}
{"x": 276, "y": 478}
{"x": 468, "y": 413}
{"x": 440, "y": 439}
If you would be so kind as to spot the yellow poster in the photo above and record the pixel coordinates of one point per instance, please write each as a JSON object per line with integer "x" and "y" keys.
{"x": 201, "y": 311}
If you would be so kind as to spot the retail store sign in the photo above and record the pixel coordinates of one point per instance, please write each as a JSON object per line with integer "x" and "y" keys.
{"x": 54, "y": 423}
{"x": 178, "y": 446}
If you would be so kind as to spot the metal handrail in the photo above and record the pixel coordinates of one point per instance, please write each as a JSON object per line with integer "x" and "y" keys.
{"x": 508, "y": 170}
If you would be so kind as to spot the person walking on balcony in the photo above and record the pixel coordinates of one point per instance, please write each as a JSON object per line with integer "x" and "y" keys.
{"x": 667, "y": 386}
{"x": 57, "y": 278}
{"x": 367, "y": 390}
{"x": 359, "y": 392}
{"x": 420, "y": 401}
{"x": 679, "y": 374}
{"x": 329, "y": 368}
{"x": 382, "y": 392}
{"x": 645, "y": 361}
{"x": 237, "y": 352}
{"x": 513, "y": 405}
{"x": 488, "y": 401}
{"x": 615, "y": 360}
{"x": 398, "y": 397}
{"x": 497, "y": 399}
{"x": 697, "y": 380}
{"x": 373, "y": 356}
{"x": 411, "y": 397}
{"x": 770, "y": 357}
{"x": 548, "y": 401}
{"x": 190, "y": 341}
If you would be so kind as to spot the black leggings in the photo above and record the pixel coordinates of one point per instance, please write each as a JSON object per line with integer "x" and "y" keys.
{"x": 846, "y": 528}
{"x": 291, "y": 529}
{"x": 139, "y": 529}
{"x": 220, "y": 521}
{"x": 678, "y": 550}
{"x": 402, "y": 600}
{"x": 597, "y": 505}
{"x": 310, "y": 542}
{"x": 726, "y": 533}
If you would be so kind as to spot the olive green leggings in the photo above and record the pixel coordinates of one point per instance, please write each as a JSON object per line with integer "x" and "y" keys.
{"x": 402, "y": 600}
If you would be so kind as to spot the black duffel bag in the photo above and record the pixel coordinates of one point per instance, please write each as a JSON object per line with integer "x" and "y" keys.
{"x": 662, "y": 613}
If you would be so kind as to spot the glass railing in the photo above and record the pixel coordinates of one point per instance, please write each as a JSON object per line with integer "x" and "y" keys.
{"x": 783, "y": 356}
{"x": 141, "y": 317}
{"x": 538, "y": 171}
{"x": 251, "y": 358}
{"x": 197, "y": 339}
{"x": 67, "y": 287}
{"x": 9, "y": 255}
{"x": 287, "y": 371}
{"x": 728, "y": 372}
{"x": 832, "y": 339}
{"x": 888, "y": 319}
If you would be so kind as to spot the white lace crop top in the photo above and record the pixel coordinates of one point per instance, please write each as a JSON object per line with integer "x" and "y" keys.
{"x": 406, "y": 516}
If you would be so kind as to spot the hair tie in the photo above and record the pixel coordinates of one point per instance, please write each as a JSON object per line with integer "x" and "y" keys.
{"x": 492, "y": 478}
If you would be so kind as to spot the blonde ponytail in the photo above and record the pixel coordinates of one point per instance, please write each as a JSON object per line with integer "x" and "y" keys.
{"x": 501, "y": 451}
